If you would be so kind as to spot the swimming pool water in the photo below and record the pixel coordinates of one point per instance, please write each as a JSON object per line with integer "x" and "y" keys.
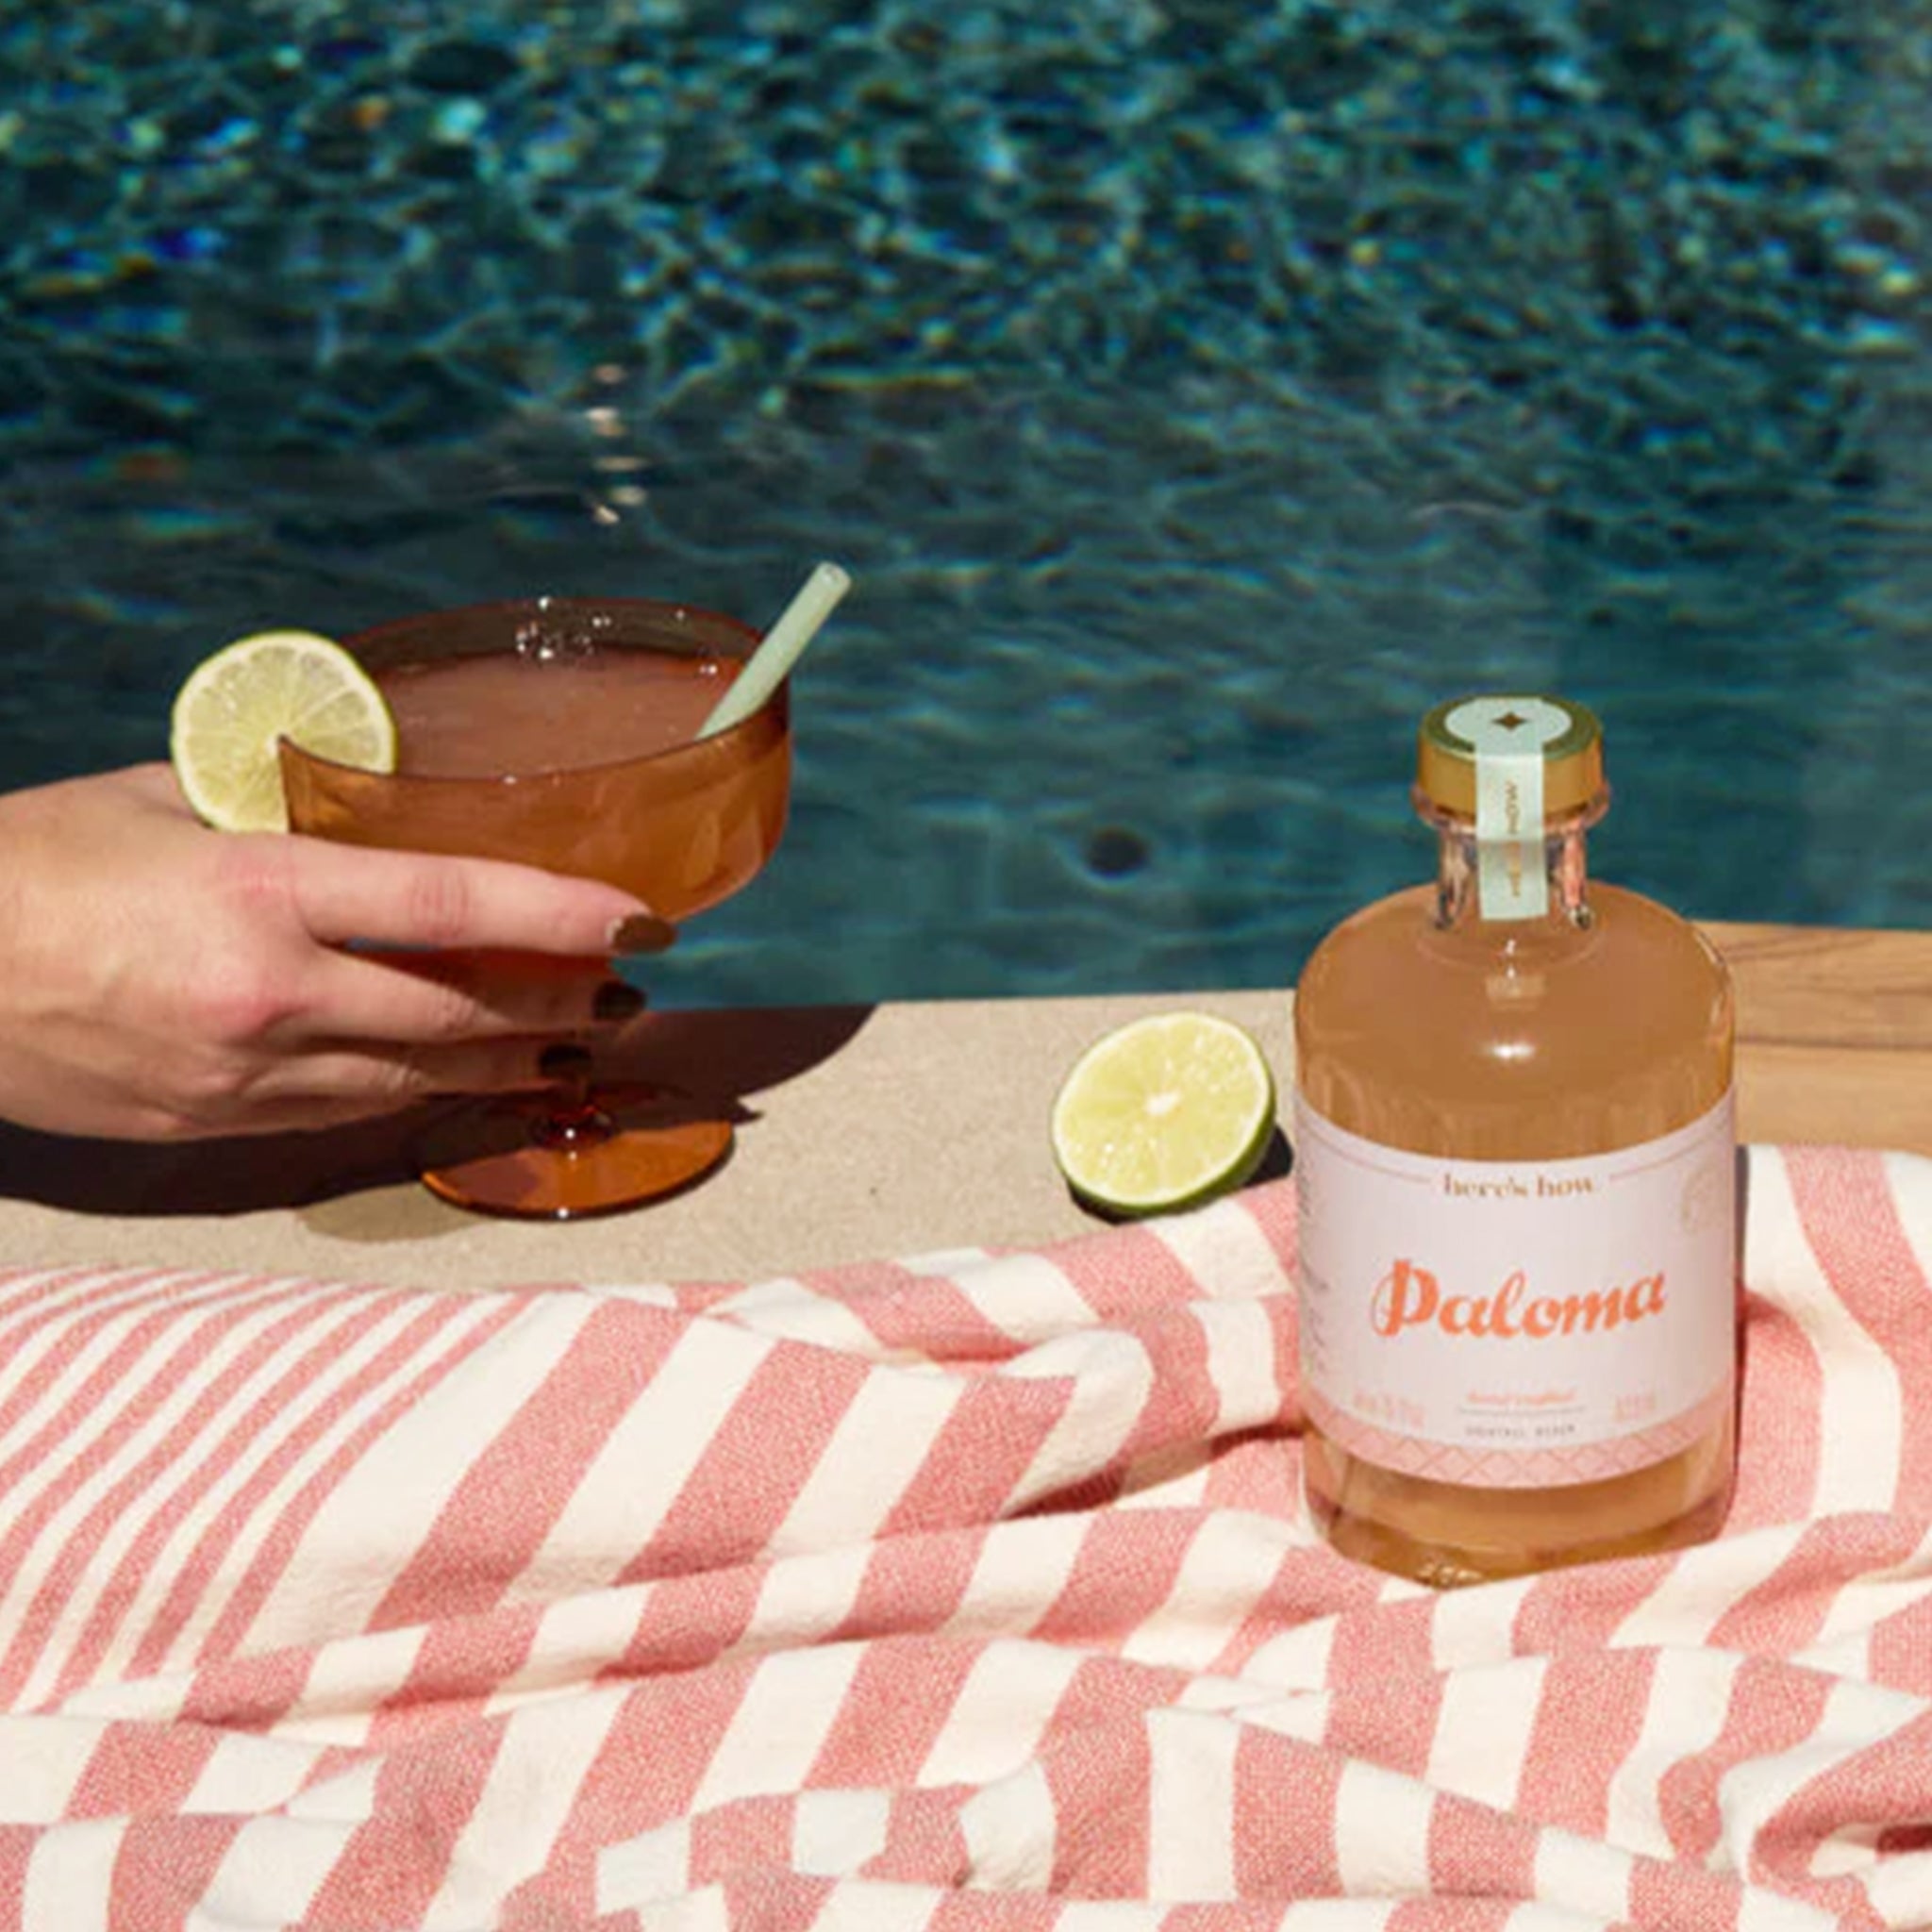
{"x": 1196, "y": 391}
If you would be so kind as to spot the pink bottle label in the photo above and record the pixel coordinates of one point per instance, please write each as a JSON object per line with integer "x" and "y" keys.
{"x": 1517, "y": 1324}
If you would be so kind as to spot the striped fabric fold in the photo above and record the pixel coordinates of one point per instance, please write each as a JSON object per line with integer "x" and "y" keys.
{"x": 962, "y": 1590}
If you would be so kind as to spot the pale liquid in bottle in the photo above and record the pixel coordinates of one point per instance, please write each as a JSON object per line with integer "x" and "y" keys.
{"x": 1600, "y": 1026}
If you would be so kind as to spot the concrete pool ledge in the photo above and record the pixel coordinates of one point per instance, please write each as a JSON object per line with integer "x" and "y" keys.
{"x": 876, "y": 1131}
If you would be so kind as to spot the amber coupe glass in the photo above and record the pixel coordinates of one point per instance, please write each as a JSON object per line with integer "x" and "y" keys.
{"x": 681, "y": 827}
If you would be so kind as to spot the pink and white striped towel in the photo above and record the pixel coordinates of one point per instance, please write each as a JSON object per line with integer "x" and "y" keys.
{"x": 964, "y": 1592}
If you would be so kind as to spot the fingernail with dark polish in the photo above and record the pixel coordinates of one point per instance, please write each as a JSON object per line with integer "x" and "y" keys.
{"x": 643, "y": 932}
{"x": 564, "y": 1061}
{"x": 616, "y": 999}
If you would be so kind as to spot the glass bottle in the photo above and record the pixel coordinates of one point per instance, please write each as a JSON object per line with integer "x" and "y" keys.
{"x": 1515, "y": 1159}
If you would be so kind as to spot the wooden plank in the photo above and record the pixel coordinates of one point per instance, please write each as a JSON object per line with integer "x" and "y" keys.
{"x": 1830, "y": 987}
{"x": 1834, "y": 1034}
{"x": 1841, "y": 1095}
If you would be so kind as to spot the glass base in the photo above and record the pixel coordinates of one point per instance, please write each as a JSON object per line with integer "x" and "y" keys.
{"x": 537, "y": 1158}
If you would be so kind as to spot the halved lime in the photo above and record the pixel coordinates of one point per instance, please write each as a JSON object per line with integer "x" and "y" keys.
{"x": 1163, "y": 1113}
{"x": 277, "y": 684}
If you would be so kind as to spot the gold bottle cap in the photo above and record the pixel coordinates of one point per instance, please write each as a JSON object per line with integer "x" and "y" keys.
{"x": 1565, "y": 734}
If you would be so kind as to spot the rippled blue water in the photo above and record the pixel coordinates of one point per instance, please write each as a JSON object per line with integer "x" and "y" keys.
{"x": 1197, "y": 391}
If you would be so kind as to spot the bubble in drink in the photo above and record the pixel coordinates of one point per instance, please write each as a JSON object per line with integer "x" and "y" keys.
{"x": 540, "y": 642}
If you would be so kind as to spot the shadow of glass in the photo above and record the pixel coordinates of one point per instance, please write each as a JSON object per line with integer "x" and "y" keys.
{"x": 719, "y": 1059}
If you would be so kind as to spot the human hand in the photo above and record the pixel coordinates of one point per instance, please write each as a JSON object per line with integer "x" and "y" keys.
{"x": 163, "y": 981}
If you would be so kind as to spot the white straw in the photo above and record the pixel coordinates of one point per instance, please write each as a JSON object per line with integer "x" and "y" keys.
{"x": 765, "y": 671}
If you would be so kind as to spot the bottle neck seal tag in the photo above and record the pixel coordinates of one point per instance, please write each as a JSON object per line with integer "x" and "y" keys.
{"x": 1508, "y": 735}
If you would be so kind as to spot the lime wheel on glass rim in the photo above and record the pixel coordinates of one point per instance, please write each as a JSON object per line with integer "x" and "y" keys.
{"x": 236, "y": 705}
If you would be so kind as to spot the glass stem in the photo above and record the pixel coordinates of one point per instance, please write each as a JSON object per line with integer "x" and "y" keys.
{"x": 574, "y": 1121}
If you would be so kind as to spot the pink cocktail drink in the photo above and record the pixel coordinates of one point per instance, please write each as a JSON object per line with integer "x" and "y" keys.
{"x": 564, "y": 733}
{"x": 477, "y": 717}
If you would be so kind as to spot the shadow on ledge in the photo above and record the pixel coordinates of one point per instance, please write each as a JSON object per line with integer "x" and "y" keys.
{"x": 719, "y": 1059}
